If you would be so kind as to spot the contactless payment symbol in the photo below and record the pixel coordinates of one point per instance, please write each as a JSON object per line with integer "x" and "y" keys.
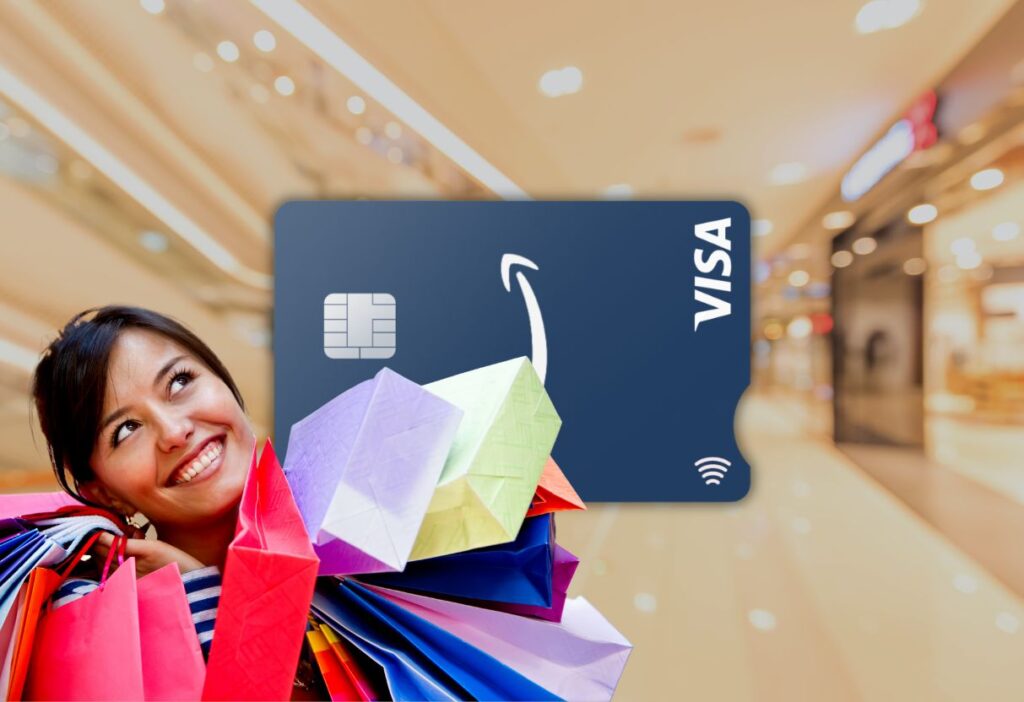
{"x": 712, "y": 469}
{"x": 359, "y": 325}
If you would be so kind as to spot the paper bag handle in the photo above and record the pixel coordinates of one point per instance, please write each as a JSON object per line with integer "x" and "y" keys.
{"x": 119, "y": 546}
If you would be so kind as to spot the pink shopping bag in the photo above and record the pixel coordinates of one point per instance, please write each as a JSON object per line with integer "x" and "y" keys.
{"x": 172, "y": 661}
{"x": 266, "y": 592}
{"x": 90, "y": 649}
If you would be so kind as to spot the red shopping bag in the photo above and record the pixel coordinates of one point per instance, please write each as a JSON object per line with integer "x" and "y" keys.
{"x": 172, "y": 661}
{"x": 266, "y": 591}
{"x": 90, "y": 649}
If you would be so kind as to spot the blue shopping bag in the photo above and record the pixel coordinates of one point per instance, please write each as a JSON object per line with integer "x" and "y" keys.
{"x": 519, "y": 572}
{"x": 420, "y": 660}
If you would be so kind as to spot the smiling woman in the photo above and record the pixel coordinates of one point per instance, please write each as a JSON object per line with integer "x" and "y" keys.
{"x": 145, "y": 418}
{"x": 140, "y": 416}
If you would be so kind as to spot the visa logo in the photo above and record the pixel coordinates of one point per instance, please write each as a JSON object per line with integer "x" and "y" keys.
{"x": 716, "y": 305}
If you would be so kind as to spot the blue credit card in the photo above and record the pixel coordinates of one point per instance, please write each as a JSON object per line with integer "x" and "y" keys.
{"x": 636, "y": 314}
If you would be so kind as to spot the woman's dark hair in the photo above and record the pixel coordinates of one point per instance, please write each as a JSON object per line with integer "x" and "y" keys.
{"x": 71, "y": 380}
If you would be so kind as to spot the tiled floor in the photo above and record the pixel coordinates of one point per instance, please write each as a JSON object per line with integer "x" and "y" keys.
{"x": 821, "y": 585}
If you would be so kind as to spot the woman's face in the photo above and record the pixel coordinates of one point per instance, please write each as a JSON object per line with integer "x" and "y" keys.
{"x": 173, "y": 442}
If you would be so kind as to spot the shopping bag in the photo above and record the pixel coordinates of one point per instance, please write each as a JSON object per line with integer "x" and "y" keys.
{"x": 20, "y": 628}
{"x": 22, "y": 553}
{"x": 172, "y": 661}
{"x": 491, "y": 474}
{"x": 363, "y": 469}
{"x": 519, "y": 572}
{"x": 40, "y": 586}
{"x": 339, "y": 687}
{"x": 31, "y": 502}
{"x": 565, "y": 565}
{"x": 421, "y": 661}
{"x": 90, "y": 648}
{"x": 554, "y": 493}
{"x": 265, "y": 592}
{"x": 581, "y": 658}
{"x": 365, "y": 689}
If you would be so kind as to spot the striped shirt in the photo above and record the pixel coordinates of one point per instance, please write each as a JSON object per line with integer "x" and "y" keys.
{"x": 202, "y": 589}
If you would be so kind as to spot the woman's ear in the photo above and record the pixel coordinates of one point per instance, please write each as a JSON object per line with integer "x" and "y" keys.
{"x": 94, "y": 491}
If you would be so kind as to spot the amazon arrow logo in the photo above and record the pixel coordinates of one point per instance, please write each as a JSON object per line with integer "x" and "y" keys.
{"x": 539, "y": 356}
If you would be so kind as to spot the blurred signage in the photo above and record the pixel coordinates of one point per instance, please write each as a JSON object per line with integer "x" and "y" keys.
{"x": 915, "y": 132}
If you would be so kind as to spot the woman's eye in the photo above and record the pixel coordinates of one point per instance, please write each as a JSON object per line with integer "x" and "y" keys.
{"x": 179, "y": 381}
{"x": 124, "y": 431}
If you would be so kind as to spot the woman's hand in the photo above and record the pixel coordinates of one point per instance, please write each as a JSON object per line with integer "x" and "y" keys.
{"x": 149, "y": 554}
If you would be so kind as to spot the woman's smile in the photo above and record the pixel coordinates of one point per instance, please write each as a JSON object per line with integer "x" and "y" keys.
{"x": 200, "y": 465}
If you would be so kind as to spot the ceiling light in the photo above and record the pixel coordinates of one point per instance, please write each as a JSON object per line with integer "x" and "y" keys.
{"x": 264, "y": 40}
{"x": 987, "y": 179}
{"x": 963, "y": 245}
{"x": 965, "y": 583}
{"x": 798, "y": 279}
{"x": 127, "y": 180}
{"x": 356, "y": 105}
{"x": 618, "y": 191}
{"x": 773, "y": 331}
{"x": 393, "y": 130}
{"x": 864, "y": 245}
{"x": 153, "y": 7}
{"x": 228, "y": 51}
{"x": 318, "y": 38}
{"x": 1007, "y": 231}
{"x": 968, "y": 261}
{"x": 885, "y": 14}
{"x": 841, "y": 219}
{"x": 645, "y": 602}
{"x": 202, "y": 62}
{"x": 153, "y": 241}
{"x": 761, "y": 227}
{"x": 914, "y": 266}
{"x": 284, "y": 85}
{"x": 561, "y": 81}
{"x": 1007, "y": 623}
{"x": 841, "y": 259}
{"x": 364, "y": 135}
{"x": 788, "y": 173}
{"x": 395, "y": 155}
{"x": 800, "y": 328}
{"x": 922, "y": 214}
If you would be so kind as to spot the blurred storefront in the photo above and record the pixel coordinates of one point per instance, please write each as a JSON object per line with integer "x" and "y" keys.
{"x": 898, "y": 311}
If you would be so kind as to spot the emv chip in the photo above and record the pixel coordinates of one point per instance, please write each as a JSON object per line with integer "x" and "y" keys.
{"x": 359, "y": 325}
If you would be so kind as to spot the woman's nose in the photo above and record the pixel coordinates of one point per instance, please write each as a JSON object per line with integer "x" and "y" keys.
{"x": 174, "y": 430}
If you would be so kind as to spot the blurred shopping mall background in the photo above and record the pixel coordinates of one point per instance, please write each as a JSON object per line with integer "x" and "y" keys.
{"x": 145, "y": 144}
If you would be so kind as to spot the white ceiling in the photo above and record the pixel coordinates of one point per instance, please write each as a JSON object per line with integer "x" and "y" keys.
{"x": 776, "y": 82}
{"x": 782, "y": 81}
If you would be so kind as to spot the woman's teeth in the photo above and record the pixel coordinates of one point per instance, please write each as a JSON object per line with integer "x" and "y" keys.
{"x": 206, "y": 458}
